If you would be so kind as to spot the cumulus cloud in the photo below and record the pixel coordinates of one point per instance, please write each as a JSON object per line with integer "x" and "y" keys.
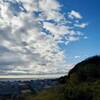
{"x": 30, "y": 31}
{"x": 74, "y": 14}
{"x": 82, "y": 25}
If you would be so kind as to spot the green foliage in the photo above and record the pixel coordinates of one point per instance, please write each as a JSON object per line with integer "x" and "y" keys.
{"x": 83, "y": 91}
{"x": 56, "y": 93}
{"x": 82, "y": 83}
{"x": 69, "y": 91}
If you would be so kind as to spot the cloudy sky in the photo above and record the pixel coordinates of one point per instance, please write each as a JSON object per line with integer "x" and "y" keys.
{"x": 47, "y": 36}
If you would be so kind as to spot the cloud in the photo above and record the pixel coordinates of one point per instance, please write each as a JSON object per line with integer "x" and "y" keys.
{"x": 30, "y": 31}
{"x": 74, "y": 14}
{"x": 85, "y": 37}
{"x": 77, "y": 57}
{"x": 82, "y": 25}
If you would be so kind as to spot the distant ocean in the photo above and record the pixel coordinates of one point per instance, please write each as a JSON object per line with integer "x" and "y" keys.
{"x": 29, "y": 77}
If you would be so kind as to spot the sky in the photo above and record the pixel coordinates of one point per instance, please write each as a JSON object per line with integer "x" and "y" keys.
{"x": 47, "y": 36}
{"x": 90, "y": 46}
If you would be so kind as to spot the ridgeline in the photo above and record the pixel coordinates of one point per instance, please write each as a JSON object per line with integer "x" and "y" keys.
{"x": 81, "y": 83}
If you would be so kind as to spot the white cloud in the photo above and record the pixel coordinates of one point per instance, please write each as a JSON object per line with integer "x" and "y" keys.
{"x": 57, "y": 31}
{"x": 30, "y": 38}
{"x": 74, "y": 14}
{"x": 85, "y": 37}
{"x": 77, "y": 57}
{"x": 83, "y": 25}
{"x": 72, "y": 38}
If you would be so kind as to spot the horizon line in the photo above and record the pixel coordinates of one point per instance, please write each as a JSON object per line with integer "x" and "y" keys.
{"x": 34, "y": 76}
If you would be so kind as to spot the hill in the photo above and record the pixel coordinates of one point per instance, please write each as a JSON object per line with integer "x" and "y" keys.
{"x": 87, "y": 70}
{"x": 82, "y": 83}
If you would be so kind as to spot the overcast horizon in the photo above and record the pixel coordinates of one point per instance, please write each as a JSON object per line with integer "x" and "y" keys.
{"x": 47, "y": 36}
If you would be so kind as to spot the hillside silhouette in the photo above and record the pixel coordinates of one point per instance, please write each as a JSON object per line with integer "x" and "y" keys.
{"x": 87, "y": 70}
{"x": 81, "y": 83}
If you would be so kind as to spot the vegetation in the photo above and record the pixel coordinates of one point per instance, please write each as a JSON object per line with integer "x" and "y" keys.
{"x": 82, "y": 83}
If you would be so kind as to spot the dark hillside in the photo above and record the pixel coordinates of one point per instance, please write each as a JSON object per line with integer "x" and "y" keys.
{"x": 82, "y": 83}
{"x": 87, "y": 70}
